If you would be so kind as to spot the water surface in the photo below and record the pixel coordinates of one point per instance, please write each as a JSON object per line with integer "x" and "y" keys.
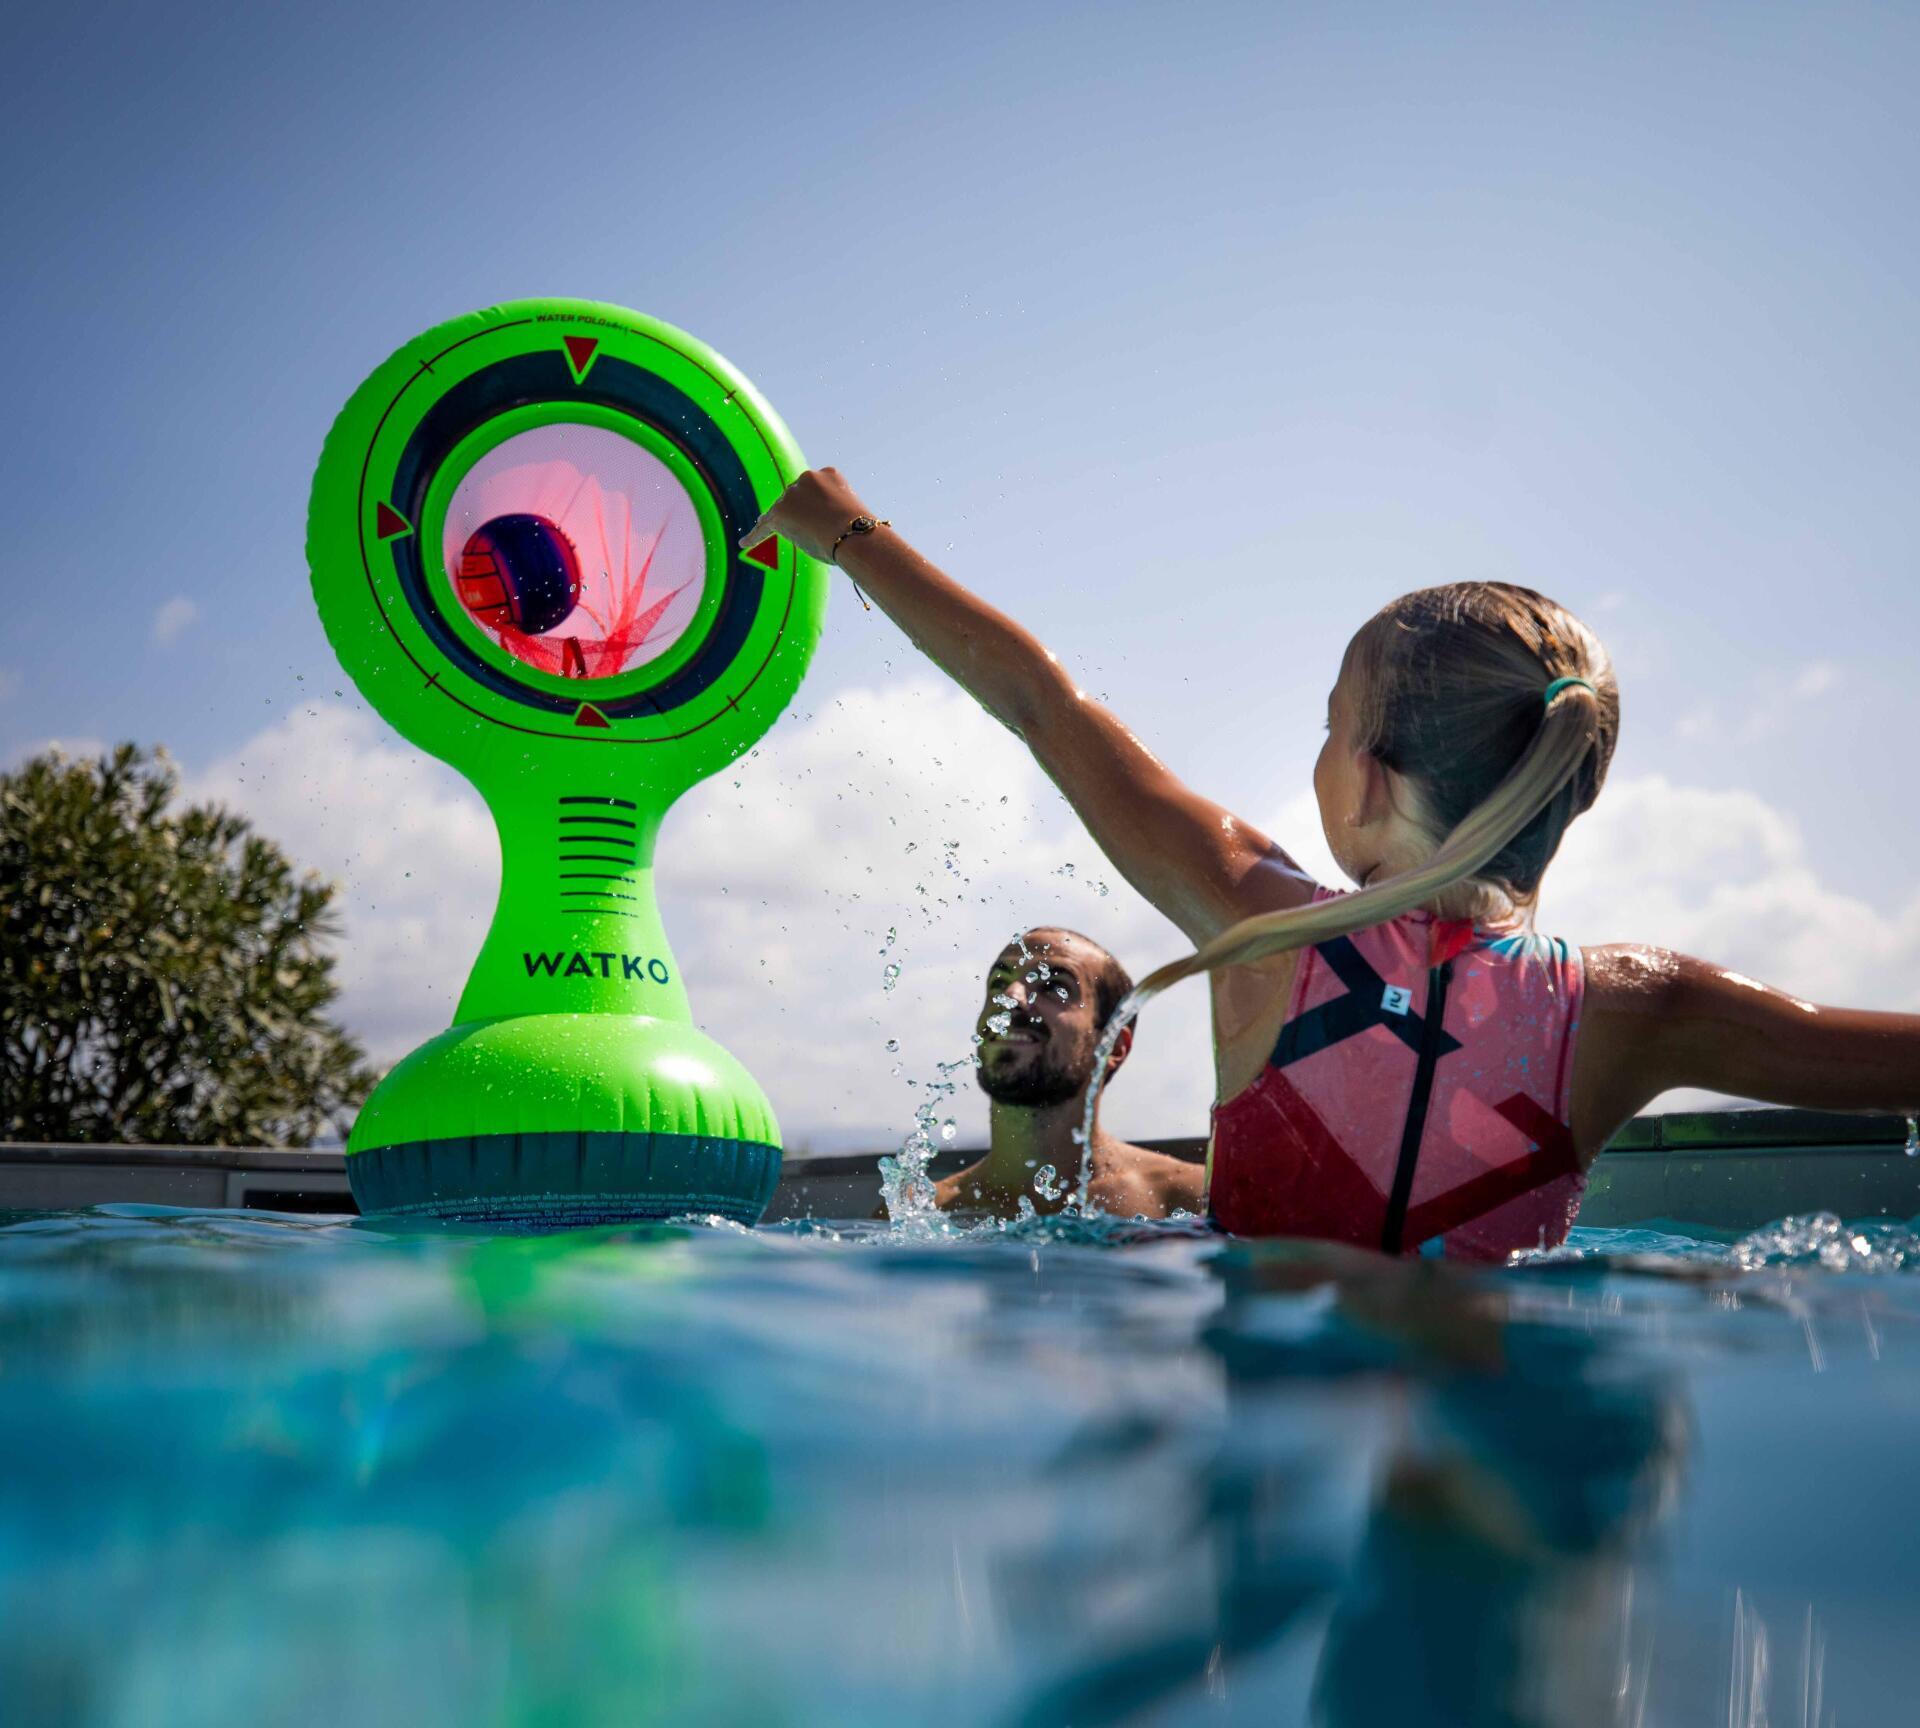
{"x": 276, "y": 1470}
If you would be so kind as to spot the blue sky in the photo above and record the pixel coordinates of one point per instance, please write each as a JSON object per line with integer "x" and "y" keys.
{"x": 1190, "y": 335}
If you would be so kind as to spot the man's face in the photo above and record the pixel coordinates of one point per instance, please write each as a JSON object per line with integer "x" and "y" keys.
{"x": 1037, "y": 1025}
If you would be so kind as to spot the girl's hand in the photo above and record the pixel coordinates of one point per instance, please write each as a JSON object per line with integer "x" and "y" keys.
{"x": 813, "y": 513}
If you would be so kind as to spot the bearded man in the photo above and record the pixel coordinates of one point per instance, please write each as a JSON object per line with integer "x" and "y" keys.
{"x": 1049, "y": 996}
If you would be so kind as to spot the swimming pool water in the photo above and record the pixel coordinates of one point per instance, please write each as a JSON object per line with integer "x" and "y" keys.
{"x": 272, "y": 1470}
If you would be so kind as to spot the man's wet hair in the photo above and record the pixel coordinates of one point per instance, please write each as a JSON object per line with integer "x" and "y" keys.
{"x": 1111, "y": 980}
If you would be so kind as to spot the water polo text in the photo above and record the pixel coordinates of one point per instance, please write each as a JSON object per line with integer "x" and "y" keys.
{"x": 634, "y": 968}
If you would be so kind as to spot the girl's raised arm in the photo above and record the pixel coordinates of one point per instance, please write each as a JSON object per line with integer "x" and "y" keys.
{"x": 1197, "y": 863}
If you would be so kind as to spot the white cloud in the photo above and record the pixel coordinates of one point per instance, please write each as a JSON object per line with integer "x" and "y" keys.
{"x": 1760, "y": 715}
{"x": 1725, "y": 875}
{"x": 778, "y": 894}
{"x": 411, "y": 846}
{"x": 172, "y": 618}
{"x": 1700, "y": 721}
{"x": 1816, "y": 678}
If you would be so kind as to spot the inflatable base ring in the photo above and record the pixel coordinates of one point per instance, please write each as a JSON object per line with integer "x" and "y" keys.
{"x": 568, "y": 1180}
{"x": 566, "y": 1119}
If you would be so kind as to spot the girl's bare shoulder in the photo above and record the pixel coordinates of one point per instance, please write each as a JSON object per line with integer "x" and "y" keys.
{"x": 1634, "y": 983}
{"x": 1629, "y": 993}
{"x": 1630, "y": 977}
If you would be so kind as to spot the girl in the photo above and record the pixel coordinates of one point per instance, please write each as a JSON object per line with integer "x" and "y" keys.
{"x": 1406, "y": 1067}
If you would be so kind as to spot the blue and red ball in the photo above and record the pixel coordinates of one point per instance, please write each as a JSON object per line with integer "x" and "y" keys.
{"x": 520, "y": 571}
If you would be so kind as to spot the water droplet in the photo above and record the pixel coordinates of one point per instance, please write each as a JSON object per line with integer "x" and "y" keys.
{"x": 893, "y": 1043}
{"x": 1047, "y": 1183}
{"x": 890, "y": 975}
{"x": 1913, "y": 1136}
{"x": 1064, "y": 870}
{"x": 949, "y": 1128}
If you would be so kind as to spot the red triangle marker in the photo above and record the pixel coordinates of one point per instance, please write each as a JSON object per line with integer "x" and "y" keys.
{"x": 588, "y": 715}
{"x": 767, "y": 553}
{"x": 388, "y": 522}
{"x": 580, "y": 352}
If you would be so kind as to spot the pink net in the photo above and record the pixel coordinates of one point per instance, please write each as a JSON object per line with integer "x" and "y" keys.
{"x": 641, "y": 553}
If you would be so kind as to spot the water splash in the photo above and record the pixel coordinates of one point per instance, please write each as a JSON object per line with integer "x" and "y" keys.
{"x": 1822, "y": 1239}
{"x": 1123, "y": 1017}
{"x": 1913, "y": 1136}
{"x": 906, "y": 1189}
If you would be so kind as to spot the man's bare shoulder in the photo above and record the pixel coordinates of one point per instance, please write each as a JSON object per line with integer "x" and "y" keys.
{"x": 1129, "y": 1181}
{"x": 1135, "y": 1181}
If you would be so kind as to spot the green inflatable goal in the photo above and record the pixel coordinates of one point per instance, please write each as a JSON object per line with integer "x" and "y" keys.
{"x": 523, "y": 540}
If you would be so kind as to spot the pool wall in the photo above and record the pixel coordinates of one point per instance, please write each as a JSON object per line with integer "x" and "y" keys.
{"x": 1726, "y": 1169}
{"x": 39, "y": 1178}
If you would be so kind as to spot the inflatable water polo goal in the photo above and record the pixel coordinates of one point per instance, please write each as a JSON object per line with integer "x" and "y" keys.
{"x": 523, "y": 539}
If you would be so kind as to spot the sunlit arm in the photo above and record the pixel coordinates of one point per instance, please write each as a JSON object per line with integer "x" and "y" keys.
{"x": 1658, "y": 1020}
{"x": 1198, "y": 863}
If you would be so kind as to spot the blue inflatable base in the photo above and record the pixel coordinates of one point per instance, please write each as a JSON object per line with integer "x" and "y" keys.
{"x": 565, "y": 1181}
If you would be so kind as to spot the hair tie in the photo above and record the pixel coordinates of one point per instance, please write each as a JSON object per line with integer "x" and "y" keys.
{"x": 1560, "y": 684}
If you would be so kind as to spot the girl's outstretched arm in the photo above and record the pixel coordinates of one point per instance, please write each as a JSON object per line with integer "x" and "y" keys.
{"x": 1656, "y": 1020}
{"x": 1197, "y": 863}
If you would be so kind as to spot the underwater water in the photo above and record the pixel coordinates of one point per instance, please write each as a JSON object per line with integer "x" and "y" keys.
{"x": 275, "y": 1470}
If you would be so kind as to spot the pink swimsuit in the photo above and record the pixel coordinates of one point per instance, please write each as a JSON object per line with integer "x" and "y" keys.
{"x": 1418, "y": 1098}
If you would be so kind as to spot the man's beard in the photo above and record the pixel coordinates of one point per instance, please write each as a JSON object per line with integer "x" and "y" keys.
{"x": 1034, "y": 1085}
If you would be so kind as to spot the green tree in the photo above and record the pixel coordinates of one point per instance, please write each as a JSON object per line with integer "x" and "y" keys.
{"x": 163, "y": 972}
